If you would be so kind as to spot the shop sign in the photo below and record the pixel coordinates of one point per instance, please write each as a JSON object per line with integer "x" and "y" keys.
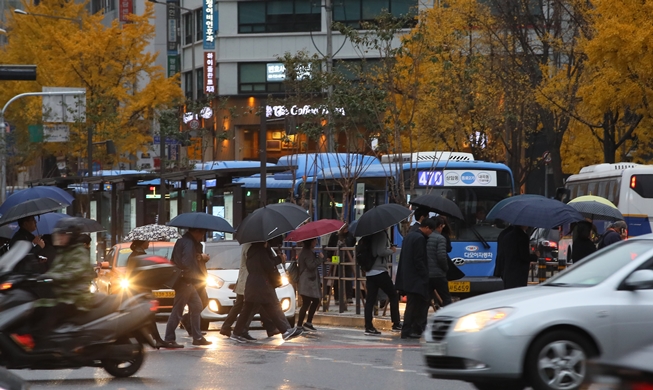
{"x": 282, "y": 111}
{"x": 209, "y": 25}
{"x": 172, "y": 26}
{"x": 209, "y": 69}
{"x": 125, "y": 8}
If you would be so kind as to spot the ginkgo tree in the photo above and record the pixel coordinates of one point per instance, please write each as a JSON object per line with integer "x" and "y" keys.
{"x": 124, "y": 87}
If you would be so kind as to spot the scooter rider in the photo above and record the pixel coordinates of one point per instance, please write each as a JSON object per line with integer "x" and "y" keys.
{"x": 71, "y": 272}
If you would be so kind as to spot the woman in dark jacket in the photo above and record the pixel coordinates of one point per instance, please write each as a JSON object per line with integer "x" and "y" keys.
{"x": 262, "y": 279}
{"x": 582, "y": 244}
{"x": 309, "y": 282}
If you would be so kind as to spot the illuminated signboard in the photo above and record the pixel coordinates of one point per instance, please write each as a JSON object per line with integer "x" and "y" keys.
{"x": 209, "y": 29}
{"x": 460, "y": 177}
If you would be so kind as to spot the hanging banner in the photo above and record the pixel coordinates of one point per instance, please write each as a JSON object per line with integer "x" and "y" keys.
{"x": 126, "y": 7}
{"x": 172, "y": 26}
{"x": 209, "y": 25}
{"x": 209, "y": 75}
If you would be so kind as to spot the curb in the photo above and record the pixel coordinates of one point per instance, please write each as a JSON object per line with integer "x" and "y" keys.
{"x": 357, "y": 321}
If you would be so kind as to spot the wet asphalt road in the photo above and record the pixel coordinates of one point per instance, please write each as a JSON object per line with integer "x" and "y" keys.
{"x": 332, "y": 358}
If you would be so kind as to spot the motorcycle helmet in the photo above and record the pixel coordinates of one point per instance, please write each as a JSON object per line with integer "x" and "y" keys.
{"x": 72, "y": 227}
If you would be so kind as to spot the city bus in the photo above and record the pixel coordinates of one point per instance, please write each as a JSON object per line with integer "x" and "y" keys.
{"x": 628, "y": 185}
{"x": 475, "y": 186}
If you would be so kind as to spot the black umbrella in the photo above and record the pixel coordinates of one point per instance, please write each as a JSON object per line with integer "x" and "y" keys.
{"x": 6, "y": 232}
{"x": 438, "y": 204}
{"x": 88, "y": 225}
{"x": 30, "y": 208}
{"x": 538, "y": 211}
{"x": 201, "y": 221}
{"x": 269, "y": 222}
{"x": 380, "y": 218}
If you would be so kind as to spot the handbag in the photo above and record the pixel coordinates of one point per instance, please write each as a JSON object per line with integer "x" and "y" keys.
{"x": 454, "y": 273}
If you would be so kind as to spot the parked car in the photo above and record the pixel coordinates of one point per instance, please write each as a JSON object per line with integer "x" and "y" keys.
{"x": 223, "y": 268}
{"x": 111, "y": 275}
{"x": 542, "y": 336}
{"x": 633, "y": 371}
{"x": 546, "y": 242}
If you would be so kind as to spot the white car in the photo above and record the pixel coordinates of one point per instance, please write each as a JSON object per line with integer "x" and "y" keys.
{"x": 542, "y": 336}
{"x": 223, "y": 270}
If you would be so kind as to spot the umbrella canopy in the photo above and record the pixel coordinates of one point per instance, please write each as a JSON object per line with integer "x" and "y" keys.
{"x": 201, "y": 221}
{"x": 380, "y": 218}
{"x": 315, "y": 229}
{"x": 491, "y": 215}
{"x": 438, "y": 204}
{"x": 596, "y": 207}
{"x": 30, "y": 208}
{"x": 296, "y": 215}
{"x": 153, "y": 232}
{"x": 55, "y": 193}
{"x": 45, "y": 223}
{"x": 269, "y": 222}
{"x": 537, "y": 211}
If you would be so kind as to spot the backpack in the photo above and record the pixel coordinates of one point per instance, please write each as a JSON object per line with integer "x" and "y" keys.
{"x": 293, "y": 272}
{"x": 364, "y": 257}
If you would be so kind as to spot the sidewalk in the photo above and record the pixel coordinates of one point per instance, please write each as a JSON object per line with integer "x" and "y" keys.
{"x": 349, "y": 318}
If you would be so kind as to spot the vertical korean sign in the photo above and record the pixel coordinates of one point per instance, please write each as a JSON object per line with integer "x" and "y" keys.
{"x": 209, "y": 25}
{"x": 209, "y": 75}
{"x": 172, "y": 34}
{"x": 125, "y": 8}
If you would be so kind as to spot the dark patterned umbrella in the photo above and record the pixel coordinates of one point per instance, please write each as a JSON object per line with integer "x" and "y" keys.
{"x": 596, "y": 207}
{"x": 201, "y": 221}
{"x": 271, "y": 221}
{"x": 538, "y": 211}
{"x": 438, "y": 204}
{"x": 30, "y": 208}
{"x": 380, "y": 218}
{"x": 21, "y": 196}
{"x": 153, "y": 233}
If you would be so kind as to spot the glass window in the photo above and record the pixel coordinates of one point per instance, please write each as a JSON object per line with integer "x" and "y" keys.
{"x": 252, "y": 77}
{"x": 163, "y": 251}
{"x": 353, "y": 12}
{"x": 643, "y": 185}
{"x": 188, "y": 34}
{"x": 279, "y": 16}
{"x": 188, "y": 85}
{"x": 223, "y": 256}
{"x": 592, "y": 188}
{"x": 603, "y": 188}
{"x": 599, "y": 266}
{"x": 199, "y": 25}
{"x": 199, "y": 80}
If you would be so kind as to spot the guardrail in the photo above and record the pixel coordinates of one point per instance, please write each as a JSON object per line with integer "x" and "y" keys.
{"x": 541, "y": 270}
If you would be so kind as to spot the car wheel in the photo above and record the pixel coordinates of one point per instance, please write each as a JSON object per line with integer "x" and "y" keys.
{"x": 557, "y": 360}
{"x": 204, "y": 324}
{"x": 494, "y": 385}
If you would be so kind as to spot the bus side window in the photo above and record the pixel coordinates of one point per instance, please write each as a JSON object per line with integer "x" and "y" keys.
{"x": 592, "y": 188}
{"x": 603, "y": 188}
{"x": 573, "y": 189}
{"x": 582, "y": 189}
{"x": 616, "y": 189}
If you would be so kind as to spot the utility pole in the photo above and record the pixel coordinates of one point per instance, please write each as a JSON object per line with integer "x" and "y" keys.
{"x": 330, "y": 137}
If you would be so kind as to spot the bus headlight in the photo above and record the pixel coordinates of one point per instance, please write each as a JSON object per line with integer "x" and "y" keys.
{"x": 214, "y": 281}
{"x": 124, "y": 284}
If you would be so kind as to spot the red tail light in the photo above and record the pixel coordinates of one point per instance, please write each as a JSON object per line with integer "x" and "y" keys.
{"x": 154, "y": 305}
{"x": 642, "y": 386}
{"x": 24, "y": 340}
{"x": 633, "y": 181}
{"x": 550, "y": 244}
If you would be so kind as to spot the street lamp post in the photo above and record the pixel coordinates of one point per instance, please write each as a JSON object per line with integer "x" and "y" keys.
{"x": 192, "y": 43}
{"x": 3, "y": 146}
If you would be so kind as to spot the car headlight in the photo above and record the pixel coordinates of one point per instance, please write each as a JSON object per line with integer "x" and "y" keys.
{"x": 284, "y": 280}
{"x": 476, "y": 321}
{"x": 92, "y": 288}
{"x": 285, "y": 304}
{"x": 124, "y": 284}
{"x": 214, "y": 281}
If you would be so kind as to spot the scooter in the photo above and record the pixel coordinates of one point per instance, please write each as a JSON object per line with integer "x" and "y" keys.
{"x": 111, "y": 335}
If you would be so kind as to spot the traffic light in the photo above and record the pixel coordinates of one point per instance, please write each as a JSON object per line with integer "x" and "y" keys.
{"x": 18, "y": 72}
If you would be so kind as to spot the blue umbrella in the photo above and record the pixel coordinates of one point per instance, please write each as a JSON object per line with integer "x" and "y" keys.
{"x": 45, "y": 223}
{"x": 21, "y": 196}
{"x": 201, "y": 221}
{"x": 492, "y": 214}
{"x": 537, "y": 211}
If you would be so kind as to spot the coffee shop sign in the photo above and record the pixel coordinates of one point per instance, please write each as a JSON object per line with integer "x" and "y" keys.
{"x": 281, "y": 111}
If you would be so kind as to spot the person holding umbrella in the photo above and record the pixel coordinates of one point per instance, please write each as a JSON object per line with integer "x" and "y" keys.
{"x": 516, "y": 257}
{"x": 186, "y": 255}
{"x": 309, "y": 282}
{"x": 413, "y": 280}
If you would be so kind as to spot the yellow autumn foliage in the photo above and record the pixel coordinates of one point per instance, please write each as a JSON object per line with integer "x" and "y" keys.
{"x": 123, "y": 85}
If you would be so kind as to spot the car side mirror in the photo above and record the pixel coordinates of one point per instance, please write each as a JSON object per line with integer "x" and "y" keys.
{"x": 105, "y": 265}
{"x": 639, "y": 280}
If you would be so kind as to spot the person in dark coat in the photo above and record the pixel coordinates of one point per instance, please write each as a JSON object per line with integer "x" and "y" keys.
{"x": 187, "y": 255}
{"x": 501, "y": 258}
{"x": 582, "y": 244}
{"x": 30, "y": 264}
{"x": 615, "y": 233}
{"x": 517, "y": 257}
{"x": 413, "y": 280}
{"x": 262, "y": 279}
{"x": 420, "y": 215}
{"x": 436, "y": 252}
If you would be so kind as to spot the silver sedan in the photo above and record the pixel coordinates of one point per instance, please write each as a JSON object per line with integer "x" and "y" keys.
{"x": 542, "y": 336}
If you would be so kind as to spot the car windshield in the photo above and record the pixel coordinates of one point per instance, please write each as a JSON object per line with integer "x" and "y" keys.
{"x": 223, "y": 256}
{"x": 163, "y": 251}
{"x": 599, "y": 266}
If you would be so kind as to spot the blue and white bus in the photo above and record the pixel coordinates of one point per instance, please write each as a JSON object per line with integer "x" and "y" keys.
{"x": 628, "y": 185}
{"x": 475, "y": 186}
